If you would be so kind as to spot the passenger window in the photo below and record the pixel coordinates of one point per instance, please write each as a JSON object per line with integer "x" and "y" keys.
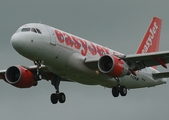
{"x": 25, "y": 29}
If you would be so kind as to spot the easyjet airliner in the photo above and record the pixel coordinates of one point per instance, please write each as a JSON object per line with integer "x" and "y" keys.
{"x": 60, "y": 56}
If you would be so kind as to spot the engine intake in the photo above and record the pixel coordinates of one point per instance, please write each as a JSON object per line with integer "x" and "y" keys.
{"x": 113, "y": 66}
{"x": 19, "y": 76}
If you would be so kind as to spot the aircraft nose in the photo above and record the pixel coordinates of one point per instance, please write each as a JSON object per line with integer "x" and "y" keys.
{"x": 16, "y": 41}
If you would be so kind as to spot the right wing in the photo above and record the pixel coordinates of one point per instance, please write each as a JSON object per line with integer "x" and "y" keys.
{"x": 140, "y": 61}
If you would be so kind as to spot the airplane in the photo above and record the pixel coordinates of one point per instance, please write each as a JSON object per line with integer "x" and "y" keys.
{"x": 61, "y": 56}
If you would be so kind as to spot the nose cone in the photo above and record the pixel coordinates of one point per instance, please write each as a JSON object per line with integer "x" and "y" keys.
{"x": 16, "y": 41}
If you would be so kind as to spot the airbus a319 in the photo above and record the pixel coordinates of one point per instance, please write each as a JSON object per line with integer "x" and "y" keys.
{"x": 60, "y": 56}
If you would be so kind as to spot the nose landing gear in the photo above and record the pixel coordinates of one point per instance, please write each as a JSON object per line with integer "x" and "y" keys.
{"x": 38, "y": 76}
{"x": 55, "y": 81}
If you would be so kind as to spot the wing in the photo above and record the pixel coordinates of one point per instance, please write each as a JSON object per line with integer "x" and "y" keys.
{"x": 92, "y": 62}
{"x": 44, "y": 70}
{"x": 136, "y": 61}
{"x": 140, "y": 61}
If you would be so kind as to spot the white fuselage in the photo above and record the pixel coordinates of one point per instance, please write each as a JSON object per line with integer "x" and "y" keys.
{"x": 64, "y": 55}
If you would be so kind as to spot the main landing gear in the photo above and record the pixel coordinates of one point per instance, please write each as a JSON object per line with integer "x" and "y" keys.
{"x": 55, "y": 97}
{"x": 122, "y": 90}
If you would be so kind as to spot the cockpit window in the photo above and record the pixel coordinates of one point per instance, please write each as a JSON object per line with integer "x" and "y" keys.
{"x": 35, "y": 30}
{"x": 38, "y": 31}
{"x": 25, "y": 29}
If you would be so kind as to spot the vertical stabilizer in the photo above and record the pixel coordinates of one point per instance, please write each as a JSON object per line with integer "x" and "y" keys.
{"x": 150, "y": 42}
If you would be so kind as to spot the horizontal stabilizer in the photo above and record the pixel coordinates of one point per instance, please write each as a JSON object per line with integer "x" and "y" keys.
{"x": 161, "y": 75}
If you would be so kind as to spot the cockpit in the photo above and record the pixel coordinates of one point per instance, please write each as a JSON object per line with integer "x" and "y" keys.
{"x": 26, "y": 29}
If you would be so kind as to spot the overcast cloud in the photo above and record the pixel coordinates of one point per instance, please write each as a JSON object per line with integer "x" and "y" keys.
{"x": 119, "y": 25}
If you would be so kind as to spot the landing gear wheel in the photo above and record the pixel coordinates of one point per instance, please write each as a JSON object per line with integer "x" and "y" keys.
{"x": 54, "y": 98}
{"x": 62, "y": 97}
{"x": 35, "y": 83}
{"x": 38, "y": 77}
{"x": 123, "y": 90}
{"x": 115, "y": 91}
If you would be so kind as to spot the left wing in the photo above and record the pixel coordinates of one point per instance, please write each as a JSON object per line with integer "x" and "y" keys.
{"x": 136, "y": 61}
{"x": 140, "y": 61}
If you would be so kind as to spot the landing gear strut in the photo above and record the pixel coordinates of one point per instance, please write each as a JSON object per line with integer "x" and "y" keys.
{"x": 122, "y": 90}
{"x": 38, "y": 75}
{"x": 55, "y": 97}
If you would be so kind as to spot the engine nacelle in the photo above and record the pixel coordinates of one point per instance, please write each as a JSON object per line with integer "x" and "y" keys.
{"x": 113, "y": 66}
{"x": 19, "y": 76}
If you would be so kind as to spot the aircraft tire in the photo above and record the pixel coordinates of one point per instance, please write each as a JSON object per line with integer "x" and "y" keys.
{"x": 35, "y": 83}
{"x": 115, "y": 91}
{"x": 62, "y": 97}
{"x": 54, "y": 98}
{"x": 123, "y": 90}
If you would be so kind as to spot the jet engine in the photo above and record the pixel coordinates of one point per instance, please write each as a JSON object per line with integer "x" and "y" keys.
{"x": 20, "y": 77}
{"x": 113, "y": 66}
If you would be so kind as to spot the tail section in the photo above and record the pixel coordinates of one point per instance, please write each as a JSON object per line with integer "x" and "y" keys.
{"x": 150, "y": 42}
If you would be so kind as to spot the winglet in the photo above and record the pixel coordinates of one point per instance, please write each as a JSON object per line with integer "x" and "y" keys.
{"x": 150, "y": 42}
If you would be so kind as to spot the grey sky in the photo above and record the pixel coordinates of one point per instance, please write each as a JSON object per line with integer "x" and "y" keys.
{"x": 120, "y": 25}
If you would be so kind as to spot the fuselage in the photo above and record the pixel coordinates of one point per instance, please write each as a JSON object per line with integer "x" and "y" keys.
{"x": 64, "y": 55}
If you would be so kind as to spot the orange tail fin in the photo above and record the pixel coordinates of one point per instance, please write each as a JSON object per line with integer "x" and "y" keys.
{"x": 150, "y": 42}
